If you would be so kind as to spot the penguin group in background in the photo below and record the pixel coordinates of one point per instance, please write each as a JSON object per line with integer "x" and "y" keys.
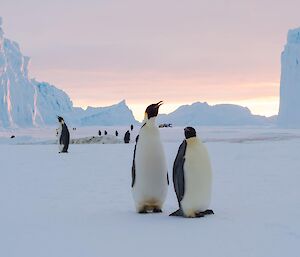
{"x": 127, "y": 137}
{"x": 105, "y": 132}
{"x": 192, "y": 177}
{"x": 149, "y": 168}
{"x": 63, "y": 136}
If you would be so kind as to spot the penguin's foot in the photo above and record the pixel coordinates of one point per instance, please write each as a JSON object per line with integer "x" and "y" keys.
{"x": 146, "y": 210}
{"x": 157, "y": 210}
{"x": 177, "y": 213}
{"x": 203, "y": 213}
{"x": 208, "y": 212}
{"x": 199, "y": 214}
{"x": 143, "y": 211}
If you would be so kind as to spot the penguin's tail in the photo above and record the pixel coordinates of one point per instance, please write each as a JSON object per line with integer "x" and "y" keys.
{"x": 177, "y": 213}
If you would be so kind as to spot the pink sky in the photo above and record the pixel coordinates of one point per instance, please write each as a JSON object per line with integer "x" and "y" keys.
{"x": 101, "y": 52}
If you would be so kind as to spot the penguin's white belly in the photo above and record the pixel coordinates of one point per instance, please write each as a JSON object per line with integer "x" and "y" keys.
{"x": 198, "y": 179}
{"x": 151, "y": 172}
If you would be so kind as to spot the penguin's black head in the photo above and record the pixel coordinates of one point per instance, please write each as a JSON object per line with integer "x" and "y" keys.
{"x": 60, "y": 119}
{"x": 152, "y": 109}
{"x": 189, "y": 132}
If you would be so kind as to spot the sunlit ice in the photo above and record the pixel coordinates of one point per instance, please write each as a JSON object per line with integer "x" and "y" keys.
{"x": 141, "y": 89}
{"x": 267, "y": 106}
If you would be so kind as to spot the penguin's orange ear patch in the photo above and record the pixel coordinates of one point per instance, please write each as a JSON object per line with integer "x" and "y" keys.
{"x": 145, "y": 115}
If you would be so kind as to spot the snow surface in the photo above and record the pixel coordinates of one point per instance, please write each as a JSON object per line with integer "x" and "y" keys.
{"x": 80, "y": 204}
{"x": 289, "y": 114}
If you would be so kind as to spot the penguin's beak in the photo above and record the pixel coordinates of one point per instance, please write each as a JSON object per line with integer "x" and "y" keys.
{"x": 186, "y": 129}
{"x": 159, "y": 104}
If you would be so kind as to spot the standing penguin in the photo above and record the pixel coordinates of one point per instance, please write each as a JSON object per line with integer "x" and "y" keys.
{"x": 63, "y": 136}
{"x": 105, "y": 132}
{"x": 117, "y": 133}
{"x": 192, "y": 177}
{"x": 127, "y": 137}
{"x": 149, "y": 168}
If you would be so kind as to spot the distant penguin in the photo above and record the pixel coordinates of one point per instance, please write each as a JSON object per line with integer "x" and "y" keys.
{"x": 192, "y": 177}
{"x": 99, "y": 132}
{"x": 117, "y": 133}
{"x": 127, "y": 137}
{"x": 131, "y": 127}
{"x": 63, "y": 136}
{"x": 149, "y": 168}
{"x": 105, "y": 132}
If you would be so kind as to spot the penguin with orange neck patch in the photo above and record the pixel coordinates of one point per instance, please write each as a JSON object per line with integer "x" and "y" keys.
{"x": 149, "y": 168}
{"x": 192, "y": 177}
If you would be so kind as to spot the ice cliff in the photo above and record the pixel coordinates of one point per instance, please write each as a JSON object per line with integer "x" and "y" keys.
{"x": 289, "y": 111}
{"x": 25, "y": 102}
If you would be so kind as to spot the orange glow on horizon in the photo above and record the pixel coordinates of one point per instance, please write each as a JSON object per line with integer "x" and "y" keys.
{"x": 267, "y": 106}
{"x": 92, "y": 88}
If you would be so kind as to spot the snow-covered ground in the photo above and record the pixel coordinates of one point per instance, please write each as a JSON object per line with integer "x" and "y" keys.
{"x": 208, "y": 134}
{"x": 80, "y": 205}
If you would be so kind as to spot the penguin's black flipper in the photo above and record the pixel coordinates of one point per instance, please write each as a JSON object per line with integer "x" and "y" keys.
{"x": 177, "y": 213}
{"x": 178, "y": 172}
{"x": 133, "y": 163}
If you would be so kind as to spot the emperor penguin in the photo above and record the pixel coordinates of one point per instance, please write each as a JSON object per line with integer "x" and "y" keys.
{"x": 149, "y": 168}
{"x": 127, "y": 137}
{"x": 63, "y": 136}
{"x": 192, "y": 177}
